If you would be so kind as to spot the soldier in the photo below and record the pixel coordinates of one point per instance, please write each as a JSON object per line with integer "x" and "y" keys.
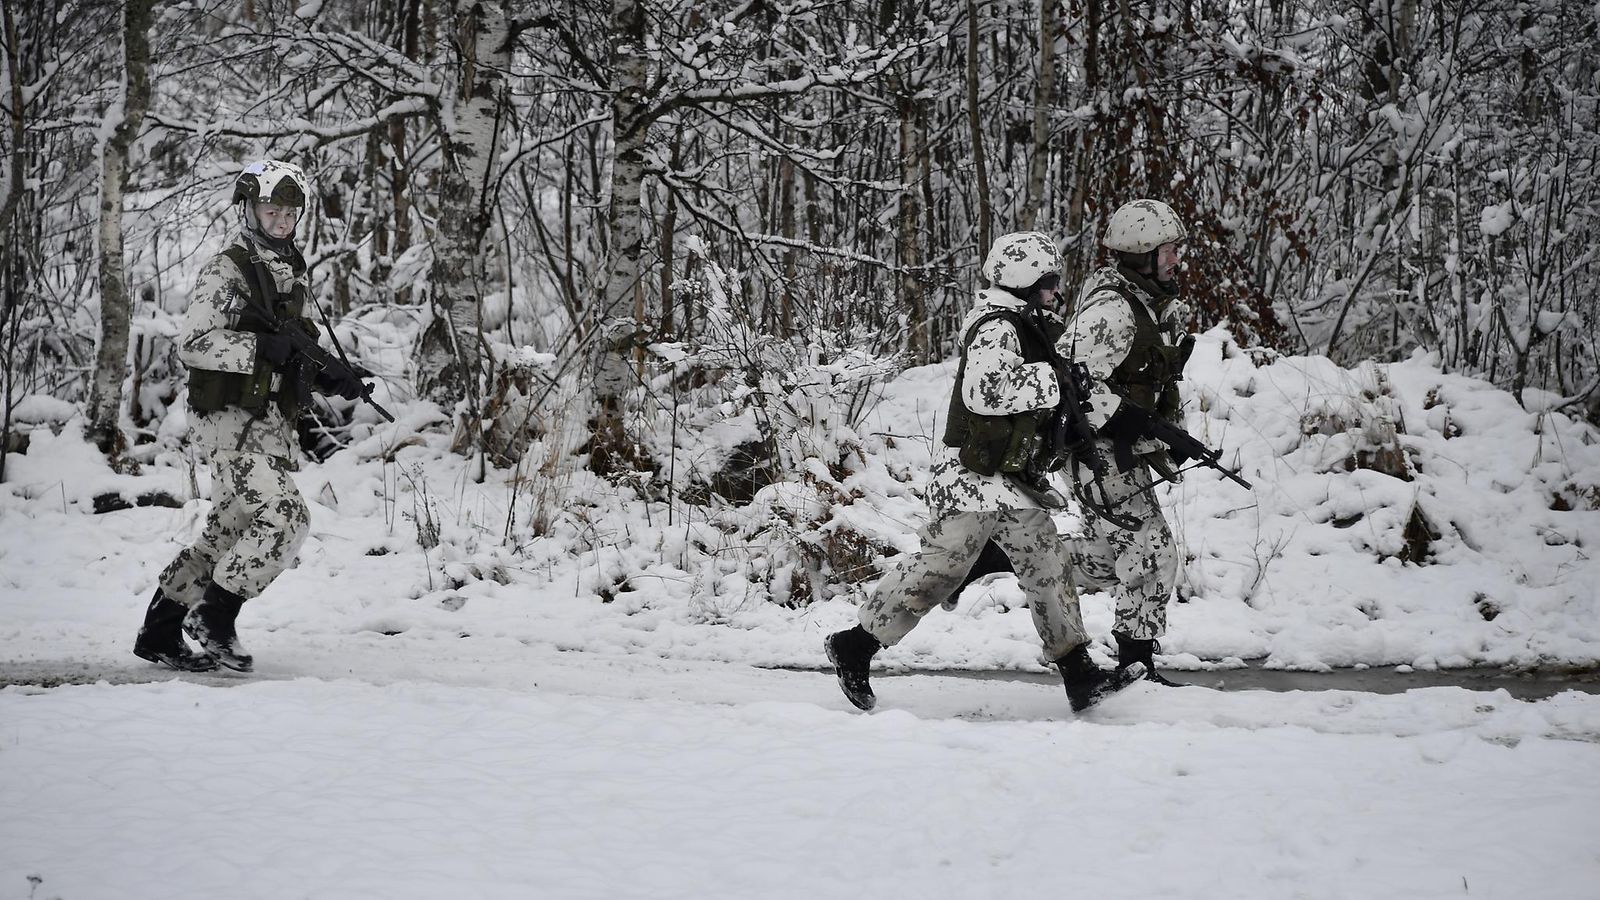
{"x": 1127, "y": 328}
{"x": 243, "y": 399}
{"x": 980, "y": 490}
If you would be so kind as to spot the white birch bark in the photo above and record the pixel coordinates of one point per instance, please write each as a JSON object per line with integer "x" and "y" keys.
{"x": 621, "y": 293}
{"x": 452, "y": 355}
{"x": 116, "y": 305}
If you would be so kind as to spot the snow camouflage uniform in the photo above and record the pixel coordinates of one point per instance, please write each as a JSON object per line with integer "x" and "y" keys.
{"x": 1007, "y": 384}
{"x": 258, "y": 519}
{"x": 1124, "y": 327}
{"x": 970, "y": 508}
{"x": 999, "y": 377}
{"x": 245, "y": 390}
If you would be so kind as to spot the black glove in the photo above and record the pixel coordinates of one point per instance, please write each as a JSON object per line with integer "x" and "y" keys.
{"x": 1125, "y": 426}
{"x": 342, "y": 382}
{"x": 274, "y": 348}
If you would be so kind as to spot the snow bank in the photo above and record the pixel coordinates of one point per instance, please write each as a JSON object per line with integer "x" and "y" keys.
{"x": 1480, "y": 558}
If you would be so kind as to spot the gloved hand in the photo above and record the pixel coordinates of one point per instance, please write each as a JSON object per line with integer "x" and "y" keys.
{"x": 274, "y": 348}
{"x": 342, "y": 383}
{"x": 1125, "y": 426}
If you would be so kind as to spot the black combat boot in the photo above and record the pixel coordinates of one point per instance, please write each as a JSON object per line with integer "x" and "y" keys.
{"x": 1087, "y": 683}
{"x": 1133, "y": 650}
{"x": 161, "y": 641}
{"x": 211, "y": 626}
{"x": 851, "y": 654}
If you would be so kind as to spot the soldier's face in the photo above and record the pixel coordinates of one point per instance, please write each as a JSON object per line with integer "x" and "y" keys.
{"x": 1167, "y": 258}
{"x": 277, "y": 221}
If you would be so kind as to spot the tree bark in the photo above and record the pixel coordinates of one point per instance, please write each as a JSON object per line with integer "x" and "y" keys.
{"x": 116, "y": 302}
{"x": 621, "y": 292}
{"x": 913, "y": 162}
{"x": 980, "y": 163}
{"x": 1043, "y": 92}
{"x": 453, "y": 353}
{"x": 8, "y": 204}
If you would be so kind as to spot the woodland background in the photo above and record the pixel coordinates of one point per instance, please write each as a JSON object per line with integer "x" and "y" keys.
{"x": 624, "y": 222}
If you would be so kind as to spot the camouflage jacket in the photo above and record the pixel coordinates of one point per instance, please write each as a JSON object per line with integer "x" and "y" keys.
{"x": 1101, "y": 331}
{"x": 208, "y": 341}
{"x": 997, "y": 382}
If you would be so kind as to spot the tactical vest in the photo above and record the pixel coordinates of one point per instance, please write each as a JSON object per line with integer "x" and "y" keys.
{"x": 210, "y": 390}
{"x": 990, "y": 444}
{"x": 1150, "y": 373}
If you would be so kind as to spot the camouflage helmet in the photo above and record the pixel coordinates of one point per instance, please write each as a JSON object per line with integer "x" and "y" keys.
{"x": 270, "y": 181}
{"x": 1142, "y": 226}
{"x": 1018, "y": 260}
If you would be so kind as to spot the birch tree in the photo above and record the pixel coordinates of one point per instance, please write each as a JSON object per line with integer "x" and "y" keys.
{"x": 470, "y": 124}
{"x": 116, "y": 306}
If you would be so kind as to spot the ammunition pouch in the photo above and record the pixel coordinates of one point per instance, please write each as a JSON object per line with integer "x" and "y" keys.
{"x": 988, "y": 443}
{"x": 210, "y": 391}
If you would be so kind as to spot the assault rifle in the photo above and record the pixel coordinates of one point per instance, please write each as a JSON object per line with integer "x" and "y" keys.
{"x": 313, "y": 358}
{"x": 1184, "y": 446}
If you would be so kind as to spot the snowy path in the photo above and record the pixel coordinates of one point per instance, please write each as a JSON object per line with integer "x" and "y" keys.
{"x": 488, "y": 769}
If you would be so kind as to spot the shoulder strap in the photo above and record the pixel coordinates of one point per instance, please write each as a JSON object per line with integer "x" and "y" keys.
{"x": 261, "y": 282}
{"x": 262, "y": 290}
{"x": 998, "y": 312}
{"x": 1112, "y": 287}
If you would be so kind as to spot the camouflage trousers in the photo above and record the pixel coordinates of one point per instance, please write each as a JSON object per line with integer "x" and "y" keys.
{"x": 257, "y": 523}
{"x": 1139, "y": 567}
{"x": 950, "y": 544}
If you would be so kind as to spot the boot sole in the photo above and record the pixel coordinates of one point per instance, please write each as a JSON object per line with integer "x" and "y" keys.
{"x": 223, "y": 659}
{"x": 197, "y": 664}
{"x": 1116, "y": 680}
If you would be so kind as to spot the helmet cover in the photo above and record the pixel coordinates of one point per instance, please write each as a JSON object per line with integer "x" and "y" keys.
{"x": 1019, "y": 259}
{"x": 1143, "y": 225}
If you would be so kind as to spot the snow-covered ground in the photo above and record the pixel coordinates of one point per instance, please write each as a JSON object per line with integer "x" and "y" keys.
{"x": 475, "y": 720}
{"x": 399, "y": 767}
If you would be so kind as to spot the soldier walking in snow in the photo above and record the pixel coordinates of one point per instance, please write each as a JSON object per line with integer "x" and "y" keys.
{"x": 988, "y": 485}
{"x": 1127, "y": 328}
{"x": 246, "y": 387}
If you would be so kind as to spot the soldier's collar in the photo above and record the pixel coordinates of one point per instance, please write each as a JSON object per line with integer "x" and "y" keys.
{"x": 998, "y": 297}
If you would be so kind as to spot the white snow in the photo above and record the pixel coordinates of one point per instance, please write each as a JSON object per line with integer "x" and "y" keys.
{"x": 1496, "y": 220}
{"x": 472, "y": 720}
{"x": 389, "y": 768}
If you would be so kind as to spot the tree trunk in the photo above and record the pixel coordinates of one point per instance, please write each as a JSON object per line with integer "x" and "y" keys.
{"x": 116, "y": 301}
{"x": 669, "y": 236}
{"x": 1043, "y": 92}
{"x": 913, "y": 162}
{"x": 621, "y": 293}
{"x": 452, "y": 353}
{"x": 1079, "y": 261}
{"x": 980, "y": 163}
{"x": 14, "y": 184}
